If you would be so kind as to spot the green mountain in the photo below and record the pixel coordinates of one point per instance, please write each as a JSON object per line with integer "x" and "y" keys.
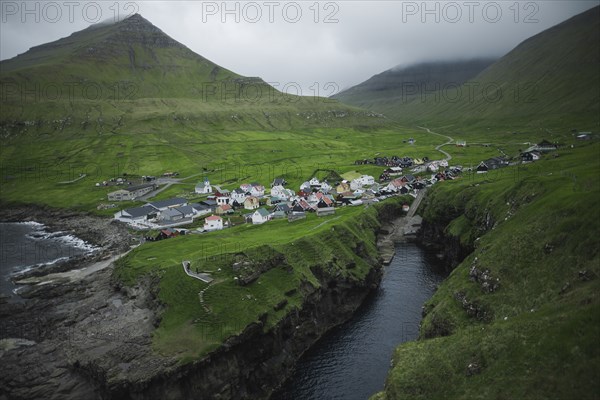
{"x": 552, "y": 77}
{"x": 125, "y": 71}
{"x": 385, "y": 91}
{"x": 125, "y": 98}
{"x": 132, "y": 55}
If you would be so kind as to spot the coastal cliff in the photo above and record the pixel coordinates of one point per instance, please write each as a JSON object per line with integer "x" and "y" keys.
{"x": 94, "y": 337}
{"x": 518, "y": 316}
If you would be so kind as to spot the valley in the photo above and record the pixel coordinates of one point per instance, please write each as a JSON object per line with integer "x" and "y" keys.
{"x": 510, "y": 210}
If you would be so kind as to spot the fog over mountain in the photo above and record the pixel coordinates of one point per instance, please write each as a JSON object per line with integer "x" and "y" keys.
{"x": 342, "y": 42}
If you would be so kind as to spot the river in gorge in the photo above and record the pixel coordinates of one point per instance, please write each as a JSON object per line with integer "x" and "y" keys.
{"x": 351, "y": 361}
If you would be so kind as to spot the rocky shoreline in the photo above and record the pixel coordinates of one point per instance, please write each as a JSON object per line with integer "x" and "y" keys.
{"x": 108, "y": 237}
{"x": 90, "y": 338}
{"x": 105, "y": 233}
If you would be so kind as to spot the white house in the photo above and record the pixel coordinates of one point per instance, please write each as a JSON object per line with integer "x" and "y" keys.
{"x": 279, "y": 191}
{"x": 203, "y": 187}
{"x": 314, "y": 182}
{"x": 394, "y": 171}
{"x": 287, "y": 194}
{"x": 200, "y": 209}
{"x": 213, "y": 223}
{"x": 238, "y": 195}
{"x": 305, "y": 186}
{"x": 325, "y": 187}
{"x": 257, "y": 190}
{"x": 282, "y": 193}
{"x": 221, "y": 200}
{"x": 364, "y": 180}
{"x": 314, "y": 197}
{"x": 394, "y": 185}
{"x": 433, "y": 167}
{"x": 260, "y": 216}
{"x": 355, "y": 184}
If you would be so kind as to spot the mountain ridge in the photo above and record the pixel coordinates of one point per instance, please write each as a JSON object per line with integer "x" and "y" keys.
{"x": 405, "y": 81}
{"x": 131, "y": 70}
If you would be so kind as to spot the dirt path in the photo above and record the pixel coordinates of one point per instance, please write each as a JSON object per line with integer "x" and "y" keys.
{"x": 73, "y": 180}
{"x": 415, "y": 204}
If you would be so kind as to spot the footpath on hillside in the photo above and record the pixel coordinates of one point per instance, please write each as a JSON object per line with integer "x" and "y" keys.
{"x": 400, "y": 230}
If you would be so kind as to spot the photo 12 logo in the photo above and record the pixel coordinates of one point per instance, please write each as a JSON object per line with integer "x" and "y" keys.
{"x": 259, "y": 91}
{"x": 34, "y": 92}
{"x": 60, "y": 11}
{"x": 453, "y": 12}
{"x": 252, "y": 12}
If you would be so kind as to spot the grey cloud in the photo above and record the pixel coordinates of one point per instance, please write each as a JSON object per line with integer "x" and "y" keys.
{"x": 369, "y": 38}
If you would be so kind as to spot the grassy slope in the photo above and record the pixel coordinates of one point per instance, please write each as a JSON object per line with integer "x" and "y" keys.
{"x": 189, "y": 331}
{"x": 159, "y": 107}
{"x": 132, "y": 77}
{"x": 538, "y": 338}
{"x": 550, "y": 79}
{"x": 384, "y": 92}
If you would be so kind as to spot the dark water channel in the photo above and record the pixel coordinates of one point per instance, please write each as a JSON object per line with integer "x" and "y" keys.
{"x": 351, "y": 362}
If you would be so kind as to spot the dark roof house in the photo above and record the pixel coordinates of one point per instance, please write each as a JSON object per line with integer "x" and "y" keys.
{"x": 168, "y": 203}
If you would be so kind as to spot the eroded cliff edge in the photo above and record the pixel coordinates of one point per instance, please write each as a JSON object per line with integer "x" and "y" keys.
{"x": 92, "y": 338}
{"x": 518, "y": 317}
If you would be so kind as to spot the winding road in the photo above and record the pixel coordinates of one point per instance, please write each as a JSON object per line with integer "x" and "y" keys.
{"x": 439, "y": 147}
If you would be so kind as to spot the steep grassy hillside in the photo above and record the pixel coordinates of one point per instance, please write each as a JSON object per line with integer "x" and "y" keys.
{"x": 551, "y": 79}
{"x": 118, "y": 76}
{"x": 520, "y": 316}
{"x": 131, "y": 55}
{"x": 125, "y": 98}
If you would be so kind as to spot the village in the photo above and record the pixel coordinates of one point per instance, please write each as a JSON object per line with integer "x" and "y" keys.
{"x": 255, "y": 203}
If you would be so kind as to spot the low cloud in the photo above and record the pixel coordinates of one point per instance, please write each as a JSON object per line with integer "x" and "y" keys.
{"x": 344, "y": 42}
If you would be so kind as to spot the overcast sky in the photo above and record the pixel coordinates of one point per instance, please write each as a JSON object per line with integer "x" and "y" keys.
{"x": 306, "y": 42}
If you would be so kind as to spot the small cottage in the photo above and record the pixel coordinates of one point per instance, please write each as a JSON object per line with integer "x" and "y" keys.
{"x": 213, "y": 223}
{"x": 260, "y": 216}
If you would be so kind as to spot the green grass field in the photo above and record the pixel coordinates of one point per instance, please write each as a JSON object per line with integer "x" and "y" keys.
{"x": 32, "y": 170}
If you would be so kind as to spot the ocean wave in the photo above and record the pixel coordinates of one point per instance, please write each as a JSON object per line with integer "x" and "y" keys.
{"x": 32, "y": 223}
{"x": 40, "y": 233}
{"x": 77, "y": 242}
{"x": 27, "y": 268}
{"x": 43, "y": 235}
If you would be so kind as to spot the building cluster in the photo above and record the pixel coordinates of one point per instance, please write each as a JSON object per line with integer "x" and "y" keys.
{"x": 257, "y": 204}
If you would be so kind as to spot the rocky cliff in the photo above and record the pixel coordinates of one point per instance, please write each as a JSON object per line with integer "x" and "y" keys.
{"x": 92, "y": 338}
